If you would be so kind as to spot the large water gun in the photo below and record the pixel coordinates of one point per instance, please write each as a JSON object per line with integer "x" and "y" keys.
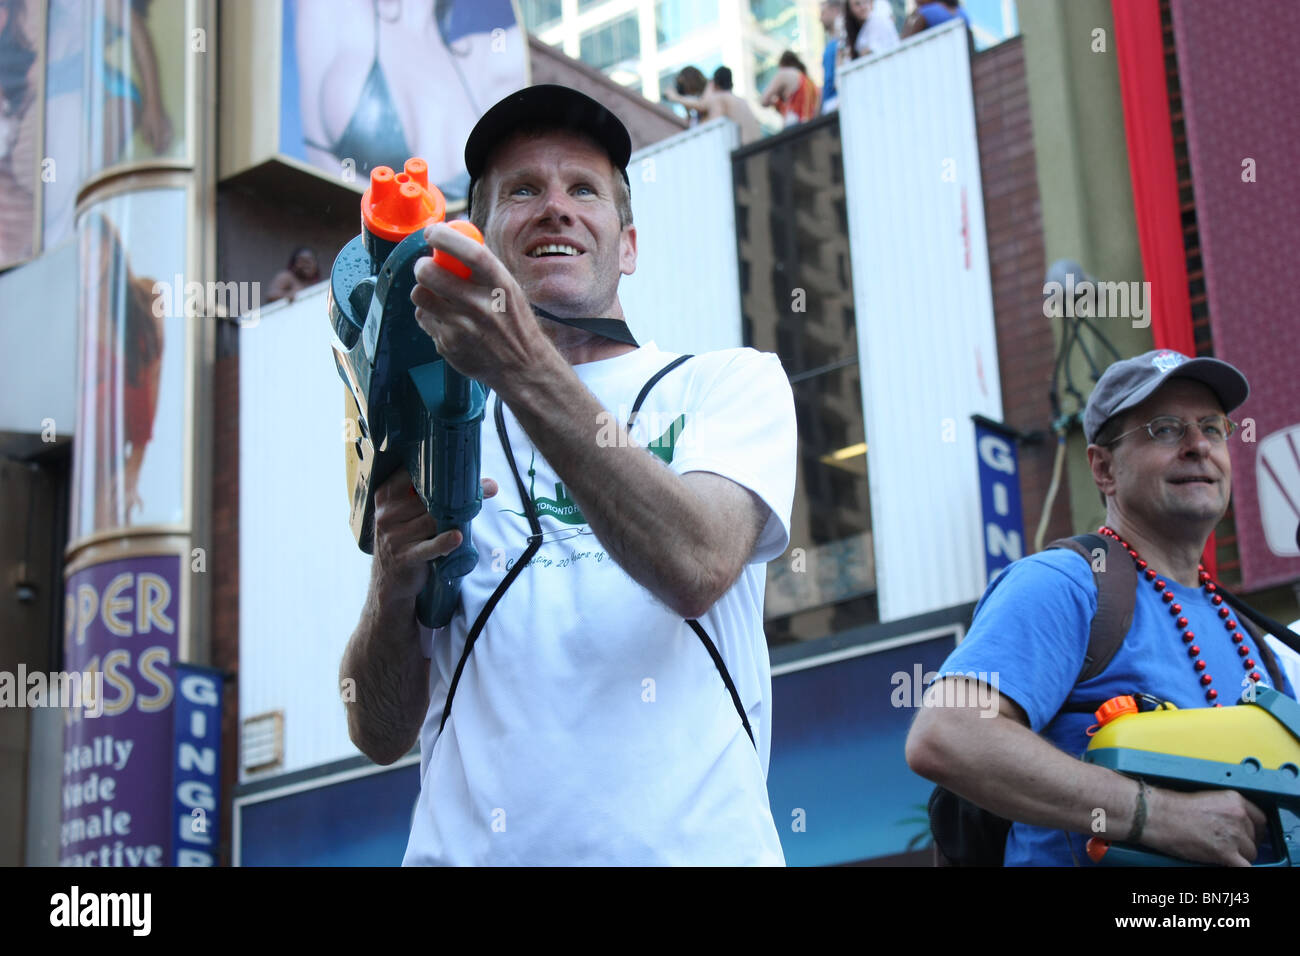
{"x": 1253, "y": 748}
{"x": 412, "y": 409}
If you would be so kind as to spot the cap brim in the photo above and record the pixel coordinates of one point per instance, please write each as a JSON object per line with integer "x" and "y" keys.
{"x": 1221, "y": 378}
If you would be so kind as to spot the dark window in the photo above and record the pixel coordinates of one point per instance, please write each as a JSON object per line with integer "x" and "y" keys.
{"x": 794, "y": 250}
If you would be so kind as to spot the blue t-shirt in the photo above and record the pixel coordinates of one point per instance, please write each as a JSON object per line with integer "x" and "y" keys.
{"x": 936, "y": 14}
{"x": 1030, "y": 634}
{"x": 828, "y": 68}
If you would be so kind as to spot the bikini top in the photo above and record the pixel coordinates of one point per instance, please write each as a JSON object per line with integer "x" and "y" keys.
{"x": 374, "y": 135}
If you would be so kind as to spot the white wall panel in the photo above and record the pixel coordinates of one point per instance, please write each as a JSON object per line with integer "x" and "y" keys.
{"x": 924, "y": 308}
{"x": 685, "y": 293}
{"x": 302, "y": 578}
{"x": 38, "y": 336}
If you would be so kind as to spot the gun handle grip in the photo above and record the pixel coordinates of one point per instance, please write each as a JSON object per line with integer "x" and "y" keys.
{"x": 437, "y": 602}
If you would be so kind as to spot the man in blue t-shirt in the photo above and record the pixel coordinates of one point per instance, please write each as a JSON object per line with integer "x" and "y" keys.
{"x": 833, "y": 24}
{"x": 929, "y": 15}
{"x": 1157, "y": 428}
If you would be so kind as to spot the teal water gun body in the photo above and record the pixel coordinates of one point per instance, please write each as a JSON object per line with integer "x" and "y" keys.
{"x": 413, "y": 409}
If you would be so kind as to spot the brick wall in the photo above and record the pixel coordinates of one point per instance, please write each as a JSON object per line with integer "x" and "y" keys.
{"x": 1026, "y": 347}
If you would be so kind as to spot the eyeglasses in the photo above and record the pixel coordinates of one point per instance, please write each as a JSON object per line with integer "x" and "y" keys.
{"x": 1168, "y": 430}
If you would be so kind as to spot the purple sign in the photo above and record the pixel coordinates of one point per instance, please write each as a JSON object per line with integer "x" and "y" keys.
{"x": 121, "y": 619}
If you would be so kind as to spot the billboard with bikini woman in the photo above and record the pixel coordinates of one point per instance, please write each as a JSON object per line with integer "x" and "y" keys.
{"x": 368, "y": 83}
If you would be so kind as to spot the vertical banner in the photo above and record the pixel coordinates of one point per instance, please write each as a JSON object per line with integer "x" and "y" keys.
{"x": 999, "y": 470}
{"x": 121, "y": 618}
{"x": 129, "y": 457}
{"x": 20, "y": 106}
{"x": 366, "y": 84}
{"x": 1249, "y": 230}
{"x": 196, "y": 770}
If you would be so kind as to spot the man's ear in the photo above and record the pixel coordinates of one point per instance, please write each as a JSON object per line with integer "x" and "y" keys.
{"x": 627, "y": 251}
{"x": 1102, "y": 463}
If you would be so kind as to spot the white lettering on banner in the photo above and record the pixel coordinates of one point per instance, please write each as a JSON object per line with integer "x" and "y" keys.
{"x": 196, "y": 797}
{"x": 1000, "y": 542}
{"x": 996, "y": 453}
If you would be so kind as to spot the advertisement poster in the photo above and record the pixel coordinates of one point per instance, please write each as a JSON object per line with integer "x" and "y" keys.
{"x": 135, "y": 107}
{"x": 19, "y": 128}
{"x": 368, "y": 83}
{"x": 115, "y": 91}
{"x": 63, "y": 164}
{"x": 358, "y": 818}
{"x": 128, "y": 462}
{"x": 839, "y": 785}
{"x": 121, "y": 620}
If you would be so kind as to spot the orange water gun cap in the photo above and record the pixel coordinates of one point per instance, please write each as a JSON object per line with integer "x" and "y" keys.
{"x": 1115, "y": 707}
{"x": 398, "y": 204}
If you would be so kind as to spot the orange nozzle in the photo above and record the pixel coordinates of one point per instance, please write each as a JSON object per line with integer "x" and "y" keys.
{"x": 398, "y": 204}
{"x": 1097, "y": 848}
{"x": 450, "y": 262}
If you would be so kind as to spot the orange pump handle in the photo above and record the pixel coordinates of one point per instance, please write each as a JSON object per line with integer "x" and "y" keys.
{"x": 450, "y": 262}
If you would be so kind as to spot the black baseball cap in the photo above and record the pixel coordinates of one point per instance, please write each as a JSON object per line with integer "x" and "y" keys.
{"x": 1130, "y": 382}
{"x": 542, "y": 106}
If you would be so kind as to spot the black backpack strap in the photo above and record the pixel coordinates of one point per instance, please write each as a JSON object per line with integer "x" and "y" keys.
{"x": 695, "y": 626}
{"x": 653, "y": 381}
{"x": 1116, "y": 597}
{"x": 721, "y": 665}
{"x": 1283, "y": 633}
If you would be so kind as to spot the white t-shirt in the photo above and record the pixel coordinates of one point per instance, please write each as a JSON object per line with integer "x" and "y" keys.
{"x": 590, "y": 725}
{"x": 878, "y": 34}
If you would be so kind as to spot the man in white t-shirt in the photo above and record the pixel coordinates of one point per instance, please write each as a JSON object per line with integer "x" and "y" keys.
{"x": 603, "y": 693}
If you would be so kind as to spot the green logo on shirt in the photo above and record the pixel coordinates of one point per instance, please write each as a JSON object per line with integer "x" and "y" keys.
{"x": 664, "y": 445}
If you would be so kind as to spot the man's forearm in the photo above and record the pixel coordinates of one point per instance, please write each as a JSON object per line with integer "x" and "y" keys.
{"x": 390, "y": 679}
{"x": 1006, "y": 768}
{"x": 677, "y": 555}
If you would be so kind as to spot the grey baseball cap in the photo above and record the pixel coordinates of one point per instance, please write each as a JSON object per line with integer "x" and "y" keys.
{"x": 1132, "y": 381}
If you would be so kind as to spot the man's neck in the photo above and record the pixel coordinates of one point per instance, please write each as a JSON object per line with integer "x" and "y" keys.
{"x": 578, "y": 346}
{"x": 1176, "y": 558}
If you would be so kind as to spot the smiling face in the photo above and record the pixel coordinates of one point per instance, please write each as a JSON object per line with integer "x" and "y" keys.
{"x": 1156, "y": 484}
{"x": 553, "y": 221}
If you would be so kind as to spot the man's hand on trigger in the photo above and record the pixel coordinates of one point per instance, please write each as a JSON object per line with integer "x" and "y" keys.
{"x": 406, "y": 537}
{"x": 1219, "y": 827}
{"x": 483, "y": 325}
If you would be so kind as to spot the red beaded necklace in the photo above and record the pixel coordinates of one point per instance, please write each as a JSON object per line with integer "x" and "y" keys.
{"x": 1180, "y": 622}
